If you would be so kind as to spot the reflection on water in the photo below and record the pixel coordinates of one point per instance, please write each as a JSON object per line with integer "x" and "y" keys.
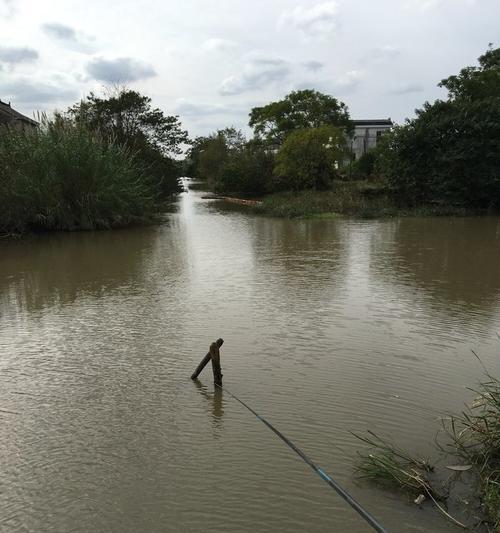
{"x": 454, "y": 258}
{"x": 57, "y": 268}
{"x": 330, "y": 326}
{"x": 215, "y": 399}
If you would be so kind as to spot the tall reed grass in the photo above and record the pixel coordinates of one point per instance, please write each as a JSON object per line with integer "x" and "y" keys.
{"x": 63, "y": 177}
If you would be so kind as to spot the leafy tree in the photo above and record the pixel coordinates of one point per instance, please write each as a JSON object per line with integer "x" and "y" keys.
{"x": 211, "y": 159}
{"x": 248, "y": 170}
{"x": 128, "y": 118}
{"x": 309, "y": 158}
{"x": 298, "y": 110}
{"x": 209, "y": 154}
{"x": 476, "y": 83}
{"x": 450, "y": 153}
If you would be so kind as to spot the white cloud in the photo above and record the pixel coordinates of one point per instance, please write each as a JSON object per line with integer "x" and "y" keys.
{"x": 383, "y": 52}
{"x": 120, "y": 70}
{"x": 188, "y": 108}
{"x": 27, "y": 91}
{"x": 319, "y": 20}
{"x": 216, "y": 44}
{"x": 68, "y": 36}
{"x": 407, "y": 88}
{"x": 17, "y": 54}
{"x": 349, "y": 81}
{"x": 313, "y": 66}
{"x": 430, "y": 5}
{"x": 7, "y": 8}
{"x": 256, "y": 74}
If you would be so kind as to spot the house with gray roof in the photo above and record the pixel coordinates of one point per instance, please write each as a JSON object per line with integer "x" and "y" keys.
{"x": 367, "y": 133}
{"x": 12, "y": 118}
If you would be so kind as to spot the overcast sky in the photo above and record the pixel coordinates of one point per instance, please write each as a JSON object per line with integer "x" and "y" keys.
{"x": 211, "y": 61}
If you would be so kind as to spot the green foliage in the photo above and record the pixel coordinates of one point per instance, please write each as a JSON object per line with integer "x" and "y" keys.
{"x": 298, "y": 110}
{"x": 364, "y": 167}
{"x": 393, "y": 467}
{"x": 309, "y": 158}
{"x": 211, "y": 153}
{"x": 491, "y": 501}
{"x": 127, "y": 117}
{"x": 248, "y": 170}
{"x": 345, "y": 198}
{"x": 450, "y": 153}
{"x": 476, "y": 83}
{"x": 62, "y": 176}
{"x": 230, "y": 164}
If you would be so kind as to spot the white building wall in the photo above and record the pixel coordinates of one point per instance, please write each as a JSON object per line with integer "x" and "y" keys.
{"x": 365, "y": 138}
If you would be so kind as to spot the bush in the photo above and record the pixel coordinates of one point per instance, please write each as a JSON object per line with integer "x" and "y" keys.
{"x": 309, "y": 158}
{"x": 62, "y": 176}
{"x": 248, "y": 171}
{"x": 364, "y": 166}
{"x": 450, "y": 153}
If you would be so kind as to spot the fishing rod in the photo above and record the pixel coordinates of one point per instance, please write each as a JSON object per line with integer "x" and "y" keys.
{"x": 214, "y": 356}
{"x": 374, "y": 523}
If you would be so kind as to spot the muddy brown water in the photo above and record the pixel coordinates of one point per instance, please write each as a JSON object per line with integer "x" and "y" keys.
{"x": 330, "y": 327}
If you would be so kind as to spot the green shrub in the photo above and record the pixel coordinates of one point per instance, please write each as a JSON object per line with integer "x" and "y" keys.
{"x": 248, "y": 171}
{"x": 364, "y": 166}
{"x": 309, "y": 158}
{"x": 62, "y": 176}
{"x": 450, "y": 153}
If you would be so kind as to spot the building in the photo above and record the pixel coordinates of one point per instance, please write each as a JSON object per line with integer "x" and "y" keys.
{"x": 367, "y": 133}
{"x": 13, "y": 118}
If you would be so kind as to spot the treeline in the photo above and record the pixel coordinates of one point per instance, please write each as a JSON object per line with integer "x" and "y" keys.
{"x": 298, "y": 143}
{"x": 448, "y": 155}
{"x": 107, "y": 161}
{"x": 113, "y": 160}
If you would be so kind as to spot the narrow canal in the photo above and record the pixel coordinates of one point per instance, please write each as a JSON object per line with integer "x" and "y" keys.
{"x": 330, "y": 327}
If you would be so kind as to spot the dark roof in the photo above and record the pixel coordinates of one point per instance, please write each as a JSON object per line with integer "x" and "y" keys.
{"x": 15, "y": 115}
{"x": 374, "y": 122}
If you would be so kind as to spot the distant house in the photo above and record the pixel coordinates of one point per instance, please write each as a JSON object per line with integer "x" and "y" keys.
{"x": 13, "y": 118}
{"x": 367, "y": 133}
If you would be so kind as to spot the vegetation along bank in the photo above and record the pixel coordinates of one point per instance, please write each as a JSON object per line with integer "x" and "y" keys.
{"x": 300, "y": 160}
{"x": 105, "y": 162}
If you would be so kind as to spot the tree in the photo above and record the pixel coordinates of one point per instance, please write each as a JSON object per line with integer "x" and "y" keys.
{"x": 475, "y": 83}
{"x": 298, "y": 110}
{"x": 128, "y": 118}
{"x": 450, "y": 153}
{"x": 212, "y": 157}
{"x": 248, "y": 170}
{"x": 208, "y": 154}
{"x": 309, "y": 158}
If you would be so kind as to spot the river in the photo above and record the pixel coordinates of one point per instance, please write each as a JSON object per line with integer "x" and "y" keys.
{"x": 330, "y": 327}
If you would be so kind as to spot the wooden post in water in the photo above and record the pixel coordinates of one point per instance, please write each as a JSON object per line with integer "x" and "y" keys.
{"x": 214, "y": 355}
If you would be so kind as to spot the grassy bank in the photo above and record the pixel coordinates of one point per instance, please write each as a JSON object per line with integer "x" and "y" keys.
{"x": 63, "y": 177}
{"x": 356, "y": 198}
{"x": 471, "y": 442}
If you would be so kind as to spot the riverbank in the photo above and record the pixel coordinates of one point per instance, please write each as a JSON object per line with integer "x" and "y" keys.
{"x": 361, "y": 198}
{"x": 470, "y": 441}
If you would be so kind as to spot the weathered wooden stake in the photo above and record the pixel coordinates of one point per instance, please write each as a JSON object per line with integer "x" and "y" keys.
{"x": 214, "y": 355}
